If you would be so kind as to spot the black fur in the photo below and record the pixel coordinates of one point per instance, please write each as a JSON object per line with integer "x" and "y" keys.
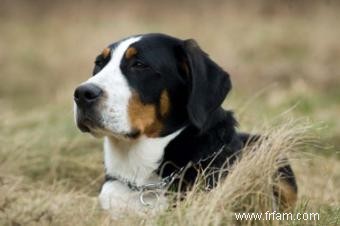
{"x": 192, "y": 145}
{"x": 209, "y": 85}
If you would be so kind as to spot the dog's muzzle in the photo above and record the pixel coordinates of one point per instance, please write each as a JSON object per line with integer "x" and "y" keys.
{"x": 86, "y": 97}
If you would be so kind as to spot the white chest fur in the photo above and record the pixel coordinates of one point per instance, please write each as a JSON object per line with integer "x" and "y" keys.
{"x": 136, "y": 160}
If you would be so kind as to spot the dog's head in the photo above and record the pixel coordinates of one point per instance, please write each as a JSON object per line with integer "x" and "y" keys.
{"x": 149, "y": 85}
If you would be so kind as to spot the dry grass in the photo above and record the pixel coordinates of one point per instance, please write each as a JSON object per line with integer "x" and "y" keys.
{"x": 244, "y": 190}
{"x": 283, "y": 59}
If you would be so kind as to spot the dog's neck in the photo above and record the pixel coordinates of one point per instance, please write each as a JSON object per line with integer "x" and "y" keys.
{"x": 135, "y": 160}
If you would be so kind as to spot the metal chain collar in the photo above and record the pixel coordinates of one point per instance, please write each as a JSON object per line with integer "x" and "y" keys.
{"x": 154, "y": 189}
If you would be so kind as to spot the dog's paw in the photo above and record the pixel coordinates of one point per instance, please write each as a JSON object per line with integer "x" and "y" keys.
{"x": 119, "y": 200}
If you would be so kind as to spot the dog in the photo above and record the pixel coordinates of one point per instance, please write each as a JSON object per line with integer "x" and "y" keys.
{"x": 156, "y": 100}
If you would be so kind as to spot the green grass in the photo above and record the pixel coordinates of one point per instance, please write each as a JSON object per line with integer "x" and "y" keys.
{"x": 284, "y": 63}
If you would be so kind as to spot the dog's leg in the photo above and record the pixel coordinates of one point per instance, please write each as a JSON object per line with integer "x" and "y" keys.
{"x": 118, "y": 199}
{"x": 286, "y": 189}
{"x": 111, "y": 195}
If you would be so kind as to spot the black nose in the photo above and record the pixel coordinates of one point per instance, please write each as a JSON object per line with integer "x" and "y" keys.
{"x": 87, "y": 94}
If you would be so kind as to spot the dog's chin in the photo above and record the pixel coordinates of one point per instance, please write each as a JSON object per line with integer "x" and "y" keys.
{"x": 89, "y": 129}
{"x": 100, "y": 131}
{"x": 133, "y": 135}
{"x": 86, "y": 125}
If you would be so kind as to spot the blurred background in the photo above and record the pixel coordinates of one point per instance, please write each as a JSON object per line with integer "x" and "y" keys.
{"x": 283, "y": 57}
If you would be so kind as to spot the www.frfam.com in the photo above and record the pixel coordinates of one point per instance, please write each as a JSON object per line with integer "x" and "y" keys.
{"x": 268, "y": 216}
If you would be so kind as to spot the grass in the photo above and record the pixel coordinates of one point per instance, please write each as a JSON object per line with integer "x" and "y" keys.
{"x": 283, "y": 61}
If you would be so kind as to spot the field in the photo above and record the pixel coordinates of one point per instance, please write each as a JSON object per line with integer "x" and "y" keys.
{"x": 284, "y": 61}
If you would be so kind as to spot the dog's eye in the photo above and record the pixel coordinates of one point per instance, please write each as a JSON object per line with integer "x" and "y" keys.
{"x": 98, "y": 62}
{"x": 139, "y": 65}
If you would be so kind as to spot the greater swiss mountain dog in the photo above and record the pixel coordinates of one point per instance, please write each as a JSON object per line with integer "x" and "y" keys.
{"x": 156, "y": 100}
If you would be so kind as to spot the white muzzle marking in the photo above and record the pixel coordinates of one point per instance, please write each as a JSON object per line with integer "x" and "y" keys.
{"x": 113, "y": 109}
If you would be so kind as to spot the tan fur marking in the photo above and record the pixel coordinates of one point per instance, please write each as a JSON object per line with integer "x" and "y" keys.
{"x": 130, "y": 52}
{"x": 164, "y": 103}
{"x": 144, "y": 117}
{"x": 287, "y": 195}
{"x": 106, "y": 52}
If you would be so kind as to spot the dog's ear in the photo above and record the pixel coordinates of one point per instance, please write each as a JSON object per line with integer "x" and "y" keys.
{"x": 209, "y": 84}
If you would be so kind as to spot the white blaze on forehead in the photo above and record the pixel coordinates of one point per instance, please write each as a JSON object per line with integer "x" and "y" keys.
{"x": 114, "y": 109}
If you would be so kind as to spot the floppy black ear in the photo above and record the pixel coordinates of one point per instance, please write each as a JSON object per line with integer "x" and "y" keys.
{"x": 209, "y": 84}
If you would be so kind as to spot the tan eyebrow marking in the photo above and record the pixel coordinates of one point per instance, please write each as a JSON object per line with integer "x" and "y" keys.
{"x": 130, "y": 52}
{"x": 106, "y": 52}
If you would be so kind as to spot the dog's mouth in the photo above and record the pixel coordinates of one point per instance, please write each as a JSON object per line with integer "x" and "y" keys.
{"x": 134, "y": 134}
{"x": 84, "y": 125}
{"x": 87, "y": 124}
